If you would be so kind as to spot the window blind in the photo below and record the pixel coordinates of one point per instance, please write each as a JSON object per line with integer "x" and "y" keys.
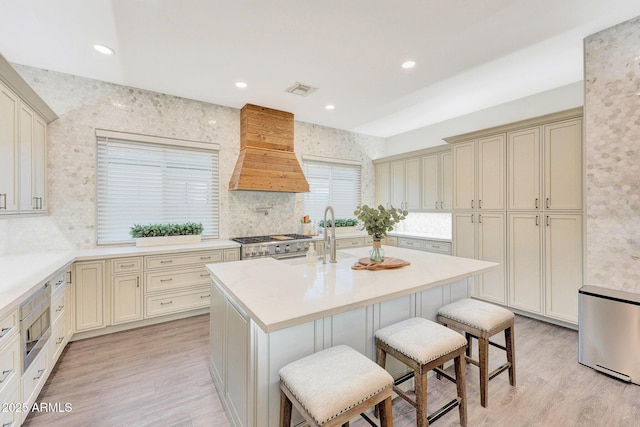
{"x": 142, "y": 182}
{"x": 331, "y": 184}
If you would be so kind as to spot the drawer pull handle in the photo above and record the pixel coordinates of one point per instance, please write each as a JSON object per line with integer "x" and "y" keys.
{"x": 204, "y": 275}
{"x": 5, "y": 375}
{"x": 435, "y": 246}
{"x": 60, "y": 308}
{"x": 60, "y": 282}
{"x": 4, "y": 332}
{"x": 39, "y": 375}
{"x": 127, "y": 265}
{"x": 205, "y": 296}
{"x": 59, "y": 340}
{"x": 166, "y": 303}
{"x": 205, "y": 257}
{"x": 11, "y": 424}
{"x": 166, "y": 280}
{"x": 166, "y": 261}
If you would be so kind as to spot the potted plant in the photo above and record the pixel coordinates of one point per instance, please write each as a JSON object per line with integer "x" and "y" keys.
{"x": 377, "y": 222}
{"x": 343, "y": 225}
{"x": 166, "y": 234}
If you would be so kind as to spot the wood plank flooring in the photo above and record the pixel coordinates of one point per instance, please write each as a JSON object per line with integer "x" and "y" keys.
{"x": 158, "y": 376}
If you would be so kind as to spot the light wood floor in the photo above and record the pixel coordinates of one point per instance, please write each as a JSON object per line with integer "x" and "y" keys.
{"x": 157, "y": 376}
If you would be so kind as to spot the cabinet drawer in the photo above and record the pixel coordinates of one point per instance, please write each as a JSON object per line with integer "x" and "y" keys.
{"x": 58, "y": 306}
{"x": 11, "y": 396}
{"x": 176, "y": 279}
{"x": 10, "y": 364}
{"x": 354, "y": 242}
{"x": 176, "y": 260}
{"x": 56, "y": 341}
{"x": 404, "y": 242}
{"x": 58, "y": 283}
{"x": 434, "y": 246}
{"x": 34, "y": 378}
{"x": 8, "y": 328}
{"x": 126, "y": 265}
{"x": 158, "y": 305}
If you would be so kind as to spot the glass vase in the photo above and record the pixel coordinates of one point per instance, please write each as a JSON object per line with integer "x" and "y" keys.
{"x": 376, "y": 253}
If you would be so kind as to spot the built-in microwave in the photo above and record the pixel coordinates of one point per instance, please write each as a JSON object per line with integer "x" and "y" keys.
{"x": 35, "y": 324}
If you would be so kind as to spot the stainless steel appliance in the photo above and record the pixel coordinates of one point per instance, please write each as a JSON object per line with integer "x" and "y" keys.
{"x": 609, "y": 332}
{"x": 35, "y": 324}
{"x": 275, "y": 246}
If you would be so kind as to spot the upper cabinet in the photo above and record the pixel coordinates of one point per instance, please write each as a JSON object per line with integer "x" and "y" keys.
{"x": 418, "y": 181}
{"x": 545, "y": 167}
{"x": 23, "y": 145}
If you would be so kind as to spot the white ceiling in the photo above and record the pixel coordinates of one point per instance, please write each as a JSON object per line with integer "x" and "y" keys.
{"x": 470, "y": 54}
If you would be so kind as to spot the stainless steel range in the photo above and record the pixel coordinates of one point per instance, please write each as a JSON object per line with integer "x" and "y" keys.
{"x": 275, "y": 246}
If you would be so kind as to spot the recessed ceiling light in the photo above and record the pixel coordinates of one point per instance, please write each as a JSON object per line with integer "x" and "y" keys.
{"x": 241, "y": 85}
{"x": 103, "y": 49}
{"x": 408, "y": 64}
{"x": 329, "y": 107}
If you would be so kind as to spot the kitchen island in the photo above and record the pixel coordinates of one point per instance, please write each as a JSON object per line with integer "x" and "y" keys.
{"x": 266, "y": 313}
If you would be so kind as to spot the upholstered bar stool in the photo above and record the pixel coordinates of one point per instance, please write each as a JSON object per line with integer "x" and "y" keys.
{"x": 332, "y": 386}
{"x": 482, "y": 320}
{"x": 423, "y": 346}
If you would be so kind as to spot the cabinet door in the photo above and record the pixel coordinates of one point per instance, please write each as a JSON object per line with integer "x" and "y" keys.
{"x": 382, "y": 184}
{"x": 464, "y": 235}
{"x": 397, "y": 184}
{"x": 563, "y": 165}
{"x": 25, "y": 136}
{"x": 446, "y": 181}
{"x": 39, "y": 164}
{"x": 89, "y": 295}
{"x": 430, "y": 182}
{"x": 492, "y": 247}
{"x": 523, "y": 169}
{"x": 491, "y": 173}
{"x": 8, "y": 151}
{"x": 127, "y": 298}
{"x": 412, "y": 184}
{"x": 464, "y": 173}
{"x": 525, "y": 261}
{"x": 563, "y": 265}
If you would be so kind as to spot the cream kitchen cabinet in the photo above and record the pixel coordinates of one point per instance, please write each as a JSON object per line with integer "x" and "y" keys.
{"x": 525, "y": 261}
{"x": 426, "y": 245}
{"x": 383, "y": 194}
{"x": 126, "y": 290}
{"x": 405, "y": 184}
{"x": 483, "y": 236}
{"x": 437, "y": 191}
{"x": 479, "y": 173}
{"x": 89, "y": 295}
{"x": 10, "y": 365}
{"x": 9, "y": 107}
{"x": 59, "y": 317}
{"x": 545, "y": 167}
{"x": 33, "y": 149}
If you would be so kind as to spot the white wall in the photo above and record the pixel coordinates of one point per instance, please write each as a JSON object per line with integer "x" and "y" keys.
{"x": 84, "y": 105}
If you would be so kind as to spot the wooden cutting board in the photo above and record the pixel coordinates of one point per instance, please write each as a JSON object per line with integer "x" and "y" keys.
{"x": 367, "y": 264}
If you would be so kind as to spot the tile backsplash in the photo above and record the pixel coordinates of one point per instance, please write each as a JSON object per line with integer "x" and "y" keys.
{"x": 612, "y": 137}
{"x": 84, "y": 105}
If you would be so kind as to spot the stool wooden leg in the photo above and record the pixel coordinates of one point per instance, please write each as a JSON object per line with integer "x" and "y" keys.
{"x": 483, "y": 359}
{"x": 421, "y": 398}
{"x": 384, "y": 409}
{"x": 285, "y": 410}
{"x": 509, "y": 340}
{"x": 461, "y": 386}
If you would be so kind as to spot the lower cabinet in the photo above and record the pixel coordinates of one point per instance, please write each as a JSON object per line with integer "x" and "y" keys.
{"x": 174, "y": 302}
{"x": 126, "y": 298}
{"x": 89, "y": 295}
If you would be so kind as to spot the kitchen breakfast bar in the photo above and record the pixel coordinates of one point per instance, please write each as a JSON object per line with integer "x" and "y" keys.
{"x": 266, "y": 313}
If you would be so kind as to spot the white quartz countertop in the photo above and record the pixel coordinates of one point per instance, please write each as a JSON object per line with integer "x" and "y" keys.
{"x": 280, "y": 294}
{"x": 21, "y": 275}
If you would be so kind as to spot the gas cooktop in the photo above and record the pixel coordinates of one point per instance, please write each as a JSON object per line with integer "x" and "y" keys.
{"x": 272, "y": 238}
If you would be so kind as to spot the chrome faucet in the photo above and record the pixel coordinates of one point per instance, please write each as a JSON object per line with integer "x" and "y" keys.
{"x": 329, "y": 242}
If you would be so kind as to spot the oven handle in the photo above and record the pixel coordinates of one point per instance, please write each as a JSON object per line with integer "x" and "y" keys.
{"x": 288, "y": 256}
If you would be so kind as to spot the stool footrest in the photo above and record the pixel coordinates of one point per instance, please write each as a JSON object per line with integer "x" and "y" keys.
{"x": 443, "y": 410}
{"x": 472, "y": 361}
{"x": 501, "y": 347}
{"x": 369, "y": 420}
{"x": 403, "y": 394}
{"x": 499, "y": 370}
{"x": 404, "y": 378}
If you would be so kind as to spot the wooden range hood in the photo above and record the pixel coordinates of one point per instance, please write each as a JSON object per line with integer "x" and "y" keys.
{"x": 267, "y": 161}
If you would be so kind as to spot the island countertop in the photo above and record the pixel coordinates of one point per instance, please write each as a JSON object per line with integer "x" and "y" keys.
{"x": 278, "y": 294}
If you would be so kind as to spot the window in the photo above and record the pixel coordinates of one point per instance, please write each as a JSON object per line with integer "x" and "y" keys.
{"x": 333, "y": 183}
{"x": 144, "y": 179}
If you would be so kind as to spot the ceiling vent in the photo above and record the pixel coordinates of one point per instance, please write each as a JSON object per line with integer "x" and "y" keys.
{"x": 301, "y": 89}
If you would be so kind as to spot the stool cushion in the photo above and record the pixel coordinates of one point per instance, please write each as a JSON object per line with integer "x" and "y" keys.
{"x": 477, "y": 314}
{"x": 420, "y": 339}
{"x": 332, "y": 381}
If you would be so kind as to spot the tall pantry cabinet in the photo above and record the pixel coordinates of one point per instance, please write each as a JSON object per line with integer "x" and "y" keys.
{"x": 542, "y": 228}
